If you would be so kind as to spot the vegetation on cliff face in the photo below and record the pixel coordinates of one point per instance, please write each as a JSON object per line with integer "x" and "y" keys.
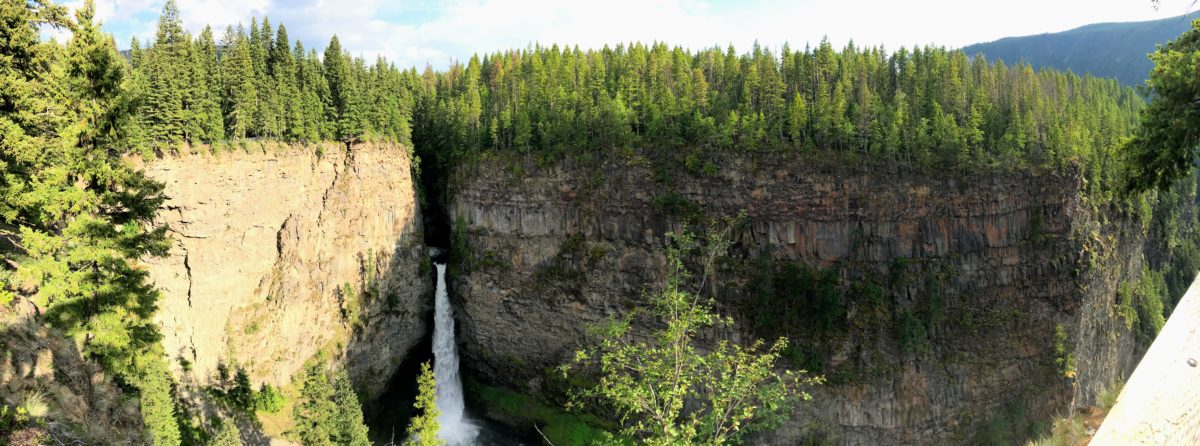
{"x": 669, "y": 390}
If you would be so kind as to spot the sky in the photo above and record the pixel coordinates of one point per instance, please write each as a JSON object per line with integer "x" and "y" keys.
{"x": 420, "y": 32}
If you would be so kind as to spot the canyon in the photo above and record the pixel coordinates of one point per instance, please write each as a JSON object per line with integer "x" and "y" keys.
{"x": 1005, "y": 258}
{"x": 285, "y": 251}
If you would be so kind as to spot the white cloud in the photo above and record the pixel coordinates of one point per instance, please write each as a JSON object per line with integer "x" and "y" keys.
{"x": 455, "y": 29}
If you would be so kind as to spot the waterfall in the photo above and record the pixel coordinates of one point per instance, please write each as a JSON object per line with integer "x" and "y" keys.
{"x": 455, "y": 428}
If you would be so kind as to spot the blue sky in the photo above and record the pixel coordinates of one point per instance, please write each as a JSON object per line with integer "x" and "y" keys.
{"x": 413, "y": 33}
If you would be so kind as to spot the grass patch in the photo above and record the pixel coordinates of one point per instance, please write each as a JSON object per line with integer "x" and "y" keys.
{"x": 526, "y": 412}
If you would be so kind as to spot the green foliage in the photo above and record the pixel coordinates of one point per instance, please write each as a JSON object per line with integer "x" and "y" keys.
{"x": 327, "y": 412}
{"x": 257, "y": 85}
{"x": 423, "y": 427}
{"x": 898, "y": 274}
{"x": 910, "y": 331}
{"x": 18, "y": 427}
{"x": 460, "y": 260}
{"x": 236, "y": 392}
{"x": 1008, "y": 426}
{"x": 227, "y": 434}
{"x": 351, "y": 303}
{"x": 1151, "y": 291}
{"x": 1165, "y": 147}
{"x": 1124, "y": 307}
{"x": 269, "y": 399}
{"x": 75, "y": 214}
{"x": 241, "y": 395}
{"x": 158, "y": 406}
{"x": 666, "y": 391}
{"x": 559, "y": 427}
{"x": 792, "y": 294}
{"x": 1064, "y": 357}
{"x": 1063, "y": 432}
{"x": 34, "y": 404}
{"x": 927, "y": 106}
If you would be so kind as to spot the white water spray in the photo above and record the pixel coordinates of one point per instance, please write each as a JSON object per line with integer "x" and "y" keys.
{"x": 455, "y": 428}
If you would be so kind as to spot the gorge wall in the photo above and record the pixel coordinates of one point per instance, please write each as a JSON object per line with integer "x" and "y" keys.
{"x": 281, "y": 251}
{"x": 987, "y": 265}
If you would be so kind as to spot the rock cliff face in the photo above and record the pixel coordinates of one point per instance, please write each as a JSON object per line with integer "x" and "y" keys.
{"x": 287, "y": 250}
{"x": 989, "y": 265}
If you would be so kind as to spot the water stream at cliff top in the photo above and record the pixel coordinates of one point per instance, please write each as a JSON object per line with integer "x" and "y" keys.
{"x": 456, "y": 429}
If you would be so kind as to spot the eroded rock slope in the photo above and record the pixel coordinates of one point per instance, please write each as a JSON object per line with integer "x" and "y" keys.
{"x": 282, "y": 251}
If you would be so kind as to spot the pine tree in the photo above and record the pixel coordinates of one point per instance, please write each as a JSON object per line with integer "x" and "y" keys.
{"x": 328, "y": 412}
{"x": 78, "y": 212}
{"x": 343, "y": 110}
{"x": 1166, "y": 146}
{"x": 227, "y": 435}
{"x": 208, "y": 88}
{"x": 423, "y": 428}
{"x": 240, "y": 94}
{"x": 169, "y": 81}
{"x": 349, "y": 420}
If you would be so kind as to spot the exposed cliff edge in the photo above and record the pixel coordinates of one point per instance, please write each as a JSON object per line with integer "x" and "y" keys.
{"x": 987, "y": 265}
{"x": 282, "y": 251}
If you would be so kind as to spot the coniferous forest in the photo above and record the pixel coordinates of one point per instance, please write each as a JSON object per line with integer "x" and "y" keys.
{"x": 75, "y": 215}
{"x": 927, "y": 106}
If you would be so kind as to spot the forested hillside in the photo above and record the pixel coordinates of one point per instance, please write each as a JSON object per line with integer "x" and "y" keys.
{"x": 1116, "y": 50}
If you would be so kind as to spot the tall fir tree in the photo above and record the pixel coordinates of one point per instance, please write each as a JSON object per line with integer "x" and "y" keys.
{"x": 170, "y": 85}
{"x": 75, "y": 215}
{"x": 208, "y": 87}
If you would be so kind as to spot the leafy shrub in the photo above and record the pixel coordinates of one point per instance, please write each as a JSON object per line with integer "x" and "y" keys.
{"x": 898, "y": 272}
{"x": 268, "y": 399}
{"x": 1125, "y": 309}
{"x": 1151, "y": 290}
{"x": 1064, "y": 359}
{"x": 792, "y": 294}
{"x": 911, "y": 333}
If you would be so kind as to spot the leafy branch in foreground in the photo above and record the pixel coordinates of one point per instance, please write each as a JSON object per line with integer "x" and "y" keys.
{"x": 1164, "y": 149}
{"x": 670, "y": 390}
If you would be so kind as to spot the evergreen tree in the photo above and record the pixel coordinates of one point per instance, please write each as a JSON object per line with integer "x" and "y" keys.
{"x": 76, "y": 213}
{"x": 227, "y": 435}
{"x": 328, "y": 412}
{"x": 423, "y": 427}
{"x": 239, "y": 86}
{"x": 1166, "y": 146}
{"x": 208, "y": 88}
{"x": 170, "y": 84}
{"x": 343, "y": 101}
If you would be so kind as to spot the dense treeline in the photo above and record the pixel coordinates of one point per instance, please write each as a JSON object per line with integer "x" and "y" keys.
{"x": 257, "y": 84}
{"x": 928, "y": 106}
{"x": 925, "y": 105}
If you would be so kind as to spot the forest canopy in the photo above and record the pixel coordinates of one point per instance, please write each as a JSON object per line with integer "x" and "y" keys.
{"x": 926, "y": 105}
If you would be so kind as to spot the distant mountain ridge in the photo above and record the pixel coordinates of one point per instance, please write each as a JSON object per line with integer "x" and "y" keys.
{"x": 1116, "y": 50}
